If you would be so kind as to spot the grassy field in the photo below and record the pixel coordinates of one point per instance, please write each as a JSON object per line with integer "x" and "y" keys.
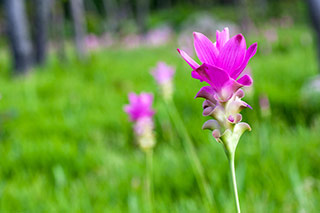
{"x": 67, "y": 146}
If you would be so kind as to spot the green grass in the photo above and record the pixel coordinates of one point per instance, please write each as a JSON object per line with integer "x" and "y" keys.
{"x": 67, "y": 146}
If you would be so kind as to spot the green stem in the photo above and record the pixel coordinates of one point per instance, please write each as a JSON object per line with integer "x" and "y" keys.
{"x": 234, "y": 182}
{"x": 191, "y": 153}
{"x": 149, "y": 190}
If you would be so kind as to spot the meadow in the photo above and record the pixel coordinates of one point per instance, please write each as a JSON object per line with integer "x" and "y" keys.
{"x": 66, "y": 144}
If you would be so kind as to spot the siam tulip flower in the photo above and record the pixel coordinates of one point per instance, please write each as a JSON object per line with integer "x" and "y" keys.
{"x": 163, "y": 74}
{"x": 222, "y": 64}
{"x": 141, "y": 113}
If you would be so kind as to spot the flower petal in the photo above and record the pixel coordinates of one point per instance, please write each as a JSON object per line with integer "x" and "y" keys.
{"x": 216, "y": 134}
{"x": 196, "y": 75}
{"x": 240, "y": 128}
{"x": 206, "y": 92}
{"x": 233, "y": 107}
{"x": 188, "y": 59}
{"x": 222, "y": 37}
{"x": 239, "y": 93}
{"x": 249, "y": 54}
{"x": 208, "y": 111}
{"x": 235, "y": 118}
{"x": 232, "y": 54}
{"x": 139, "y": 106}
{"x": 214, "y": 76}
{"x": 133, "y": 98}
{"x": 228, "y": 89}
{"x": 245, "y": 80}
{"x": 206, "y": 51}
{"x": 146, "y": 99}
{"x": 206, "y": 103}
{"x": 211, "y": 125}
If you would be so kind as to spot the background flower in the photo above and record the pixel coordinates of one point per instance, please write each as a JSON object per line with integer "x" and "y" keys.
{"x": 163, "y": 73}
{"x": 139, "y": 106}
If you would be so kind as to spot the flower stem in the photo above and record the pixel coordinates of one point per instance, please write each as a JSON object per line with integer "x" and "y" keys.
{"x": 204, "y": 187}
{"x": 149, "y": 190}
{"x": 234, "y": 181}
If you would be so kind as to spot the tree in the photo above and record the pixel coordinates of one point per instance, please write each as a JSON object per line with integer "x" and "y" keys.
{"x": 78, "y": 16}
{"x": 110, "y": 7}
{"x": 245, "y": 21}
{"x": 142, "y": 14}
{"x": 314, "y": 8}
{"x": 41, "y": 22}
{"x": 19, "y": 39}
{"x": 58, "y": 29}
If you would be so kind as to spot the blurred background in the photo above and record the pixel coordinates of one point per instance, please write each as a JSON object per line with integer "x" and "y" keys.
{"x": 66, "y": 67}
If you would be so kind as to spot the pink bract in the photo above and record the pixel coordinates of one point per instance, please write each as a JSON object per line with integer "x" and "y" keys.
{"x": 222, "y": 62}
{"x": 139, "y": 106}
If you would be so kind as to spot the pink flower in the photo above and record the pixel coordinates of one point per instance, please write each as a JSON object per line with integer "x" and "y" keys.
{"x": 139, "y": 106}
{"x": 92, "y": 41}
{"x": 264, "y": 105}
{"x": 159, "y": 36}
{"x": 222, "y": 62}
{"x": 163, "y": 73}
{"x": 140, "y": 112}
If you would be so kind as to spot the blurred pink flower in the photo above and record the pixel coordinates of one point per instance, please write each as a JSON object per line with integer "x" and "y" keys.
{"x": 264, "y": 105}
{"x": 222, "y": 62}
{"x": 140, "y": 112}
{"x": 159, "y": 36}
{"x": 132, "y": 41}
{"x": 107, "y": 40}
{"x": 163, "y": 73}
{"x": 139, "y": 106}
{"x": 264, "y": 102}
{"x": 271, "y": 35}
{"x": 92, "y": 41}
{"x": 286, "y": 21}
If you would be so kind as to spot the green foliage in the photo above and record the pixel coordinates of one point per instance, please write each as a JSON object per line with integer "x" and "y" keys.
{"x": 66, "y": 145}
{"x": 173, "y": 16}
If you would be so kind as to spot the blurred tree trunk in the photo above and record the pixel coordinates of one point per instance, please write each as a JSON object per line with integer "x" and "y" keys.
{"x": 19, "y": 39}
{"x": 142, "y": 14}
{"x": 124, "y": 10}
{"x": 164, "y": 4}
{"x": 110, "y": 7}
{"x": 78, "y": 15}
{"x": 58, "y": 29}
{"x": 245, "y": 21}
{"x": 314, "y": 8}
{"x": 262, "y": 7}
{"x": 41, "y": 23}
